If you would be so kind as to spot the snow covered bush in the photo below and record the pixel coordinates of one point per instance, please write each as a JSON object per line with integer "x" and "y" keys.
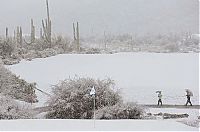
{"x": 93, "y": 51}
{"x": 71, "y": 98}
{"x": 15, "y": 87}
{"x": 121, "y": 111}
{"x": 7, "y": 47}
{"x": 11, "y": 109}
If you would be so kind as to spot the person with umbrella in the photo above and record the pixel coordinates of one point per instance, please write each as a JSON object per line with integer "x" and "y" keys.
{"x": 159, "y": 97}
{"x": 188, "y": 95}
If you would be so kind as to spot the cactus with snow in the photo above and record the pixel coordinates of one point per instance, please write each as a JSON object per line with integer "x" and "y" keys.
{"x": 32, "y": 32}
{"x": 76, "y": 36}
{"x": 46, "y": 25}
{"x": 19, "y": 35}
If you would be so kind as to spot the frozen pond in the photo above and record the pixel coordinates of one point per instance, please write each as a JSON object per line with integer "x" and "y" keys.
{"x": 138, "y": 75}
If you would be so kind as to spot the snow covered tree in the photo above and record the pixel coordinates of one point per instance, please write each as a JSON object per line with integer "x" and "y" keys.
{"x": 71, "y": 99}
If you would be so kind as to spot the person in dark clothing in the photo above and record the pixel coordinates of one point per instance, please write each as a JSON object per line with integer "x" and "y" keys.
{"x": 188, "y": 95}
{"x": 188, "y": 100}
{"x": 159, "y": 98}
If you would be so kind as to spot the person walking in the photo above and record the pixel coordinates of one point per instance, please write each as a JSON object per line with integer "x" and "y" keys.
{"x": 188, "y": 95}
{"x": 159, "y": 98}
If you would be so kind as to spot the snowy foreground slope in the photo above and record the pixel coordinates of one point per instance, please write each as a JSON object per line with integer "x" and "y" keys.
{"x": 138, "y": 75}
{"x": 88, "y": 125}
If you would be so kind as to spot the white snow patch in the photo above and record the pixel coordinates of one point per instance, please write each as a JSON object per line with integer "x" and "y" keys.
{"x": 88, "y": 125}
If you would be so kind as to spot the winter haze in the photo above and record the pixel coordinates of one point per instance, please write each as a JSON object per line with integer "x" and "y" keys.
{"x": 96, "y": 16}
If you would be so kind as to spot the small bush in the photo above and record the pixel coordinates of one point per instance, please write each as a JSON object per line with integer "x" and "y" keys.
{"x": 93, "y": 51}
{"x": 11, "y": 109}
{"x": 13, "y": 86}
{"x": 71, "y": 99}
{"x": 121, "y": 111}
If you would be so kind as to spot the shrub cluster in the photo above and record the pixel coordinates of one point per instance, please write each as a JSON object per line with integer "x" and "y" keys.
{"x": 13, "y": 86}
{"x": 71, "y": 100}
{"x": 121, "y": 111}
{"x": 11, "y": 109}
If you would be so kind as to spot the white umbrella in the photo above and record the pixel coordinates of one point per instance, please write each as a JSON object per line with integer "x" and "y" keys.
{"x": 158, "y": 91}
{"x": 189, "y": 92}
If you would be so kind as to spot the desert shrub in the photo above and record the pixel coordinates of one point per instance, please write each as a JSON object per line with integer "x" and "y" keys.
{"x": 9, "y": 61}
{"x": 7, "y": 47}
{"x": 62, "y": 43}
{"x": 171, "y": 48}
{"x": 71, "y": 99}
{"x": 93, "y": 51}
{"x": 15, "y": 87}
{"x": 121, "y": 111}
{"x": 11, "y": 109}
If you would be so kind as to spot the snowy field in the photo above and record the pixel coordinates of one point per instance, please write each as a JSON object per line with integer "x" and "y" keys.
{"x": 88, "y": 125}
{"x": 138, "y": 75}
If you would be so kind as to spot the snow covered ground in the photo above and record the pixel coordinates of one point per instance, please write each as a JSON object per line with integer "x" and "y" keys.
{"x": 193, "y": 113}
{"x": 138, "y": 75}
{"x": 100, "y": 125}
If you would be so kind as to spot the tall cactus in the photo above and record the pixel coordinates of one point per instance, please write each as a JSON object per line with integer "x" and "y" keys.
{"x": 74, "y": 32}
{"x": 19, "y": 35}
{"x": 14, "y": 35}
{"x": 41, "y": 34}
{"x": 76, "y": 36}
{"x": 32, "y": 32}
{"x": 6, "y": 34}
{"x": 7, "y": 38}
{"x": 47, "y": 26}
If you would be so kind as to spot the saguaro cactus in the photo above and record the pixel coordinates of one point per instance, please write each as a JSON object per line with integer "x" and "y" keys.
{"x": 105, "y": 40}
{"x": 7, "y": 38}
{"x": 19, "y": 35}
{"x": 47, "y": 26}
{"x": 32, "y": 32}
{"x": 76, "y": 36}
{"x": 6, "y": 33}
{"x": 14, "y": 35}
{"x": 41, "y": 34}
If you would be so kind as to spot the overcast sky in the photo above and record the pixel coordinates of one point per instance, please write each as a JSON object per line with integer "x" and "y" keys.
{"x": 97, "y": 16}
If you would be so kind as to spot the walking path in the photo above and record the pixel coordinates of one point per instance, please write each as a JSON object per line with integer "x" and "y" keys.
{"x": 174, "y": 106}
